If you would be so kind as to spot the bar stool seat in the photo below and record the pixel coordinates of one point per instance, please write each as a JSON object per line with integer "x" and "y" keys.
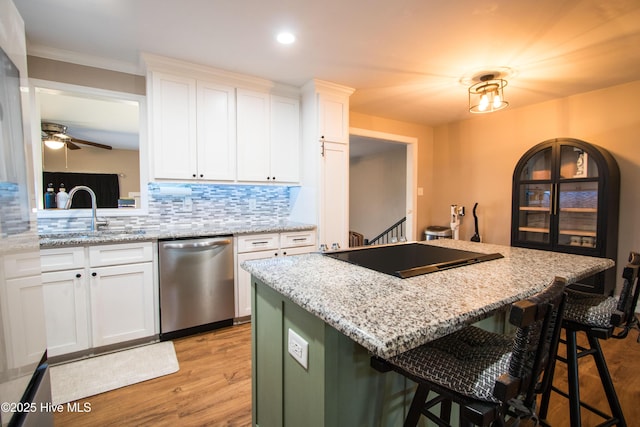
{"x": 591, "y": 310}
{"x": 598, "y": 317}
{"x": 492, "y": 377}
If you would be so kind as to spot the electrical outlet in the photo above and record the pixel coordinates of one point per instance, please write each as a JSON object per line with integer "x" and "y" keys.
{"x": 298, "y": 349}
{"x": 252, "y": 204}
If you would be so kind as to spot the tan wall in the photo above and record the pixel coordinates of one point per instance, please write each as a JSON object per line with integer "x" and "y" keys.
{"x": 65, "y": 72}
{"x": 126, "y": 163}
{"x": 474, "y": 159}
{"x": 424, "y": 135}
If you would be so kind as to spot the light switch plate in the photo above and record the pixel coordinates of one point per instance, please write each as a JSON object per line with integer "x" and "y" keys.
{"x": 298, "y": 349}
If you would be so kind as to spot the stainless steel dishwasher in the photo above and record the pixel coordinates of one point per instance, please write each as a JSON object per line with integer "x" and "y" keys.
{"x": 196, "y": 285}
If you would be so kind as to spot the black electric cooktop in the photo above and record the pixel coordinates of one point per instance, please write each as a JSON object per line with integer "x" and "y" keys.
{"x": 410, "y": 259}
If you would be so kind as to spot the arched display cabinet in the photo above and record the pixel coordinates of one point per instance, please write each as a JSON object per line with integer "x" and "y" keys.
{"x": 566, "y": 196}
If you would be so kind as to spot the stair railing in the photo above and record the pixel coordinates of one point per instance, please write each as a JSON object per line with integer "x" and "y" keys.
{"x": 393, "y": 234}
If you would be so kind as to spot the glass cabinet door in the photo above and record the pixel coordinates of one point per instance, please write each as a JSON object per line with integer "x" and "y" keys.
{"x": 538, "y": 167}
{"x": 535, "y": 212}
{"x": 576, "y": 163}
{"x": 577, "y": 198}
{"x": 578, "y": 214}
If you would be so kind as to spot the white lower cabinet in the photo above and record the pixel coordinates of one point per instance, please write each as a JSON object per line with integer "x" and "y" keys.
{"x": 97, "y": 295}
{"x": 263, "y": 246}
{"x": 66, "y": 311}
{"x": 22, "y": 322}
{"x": 121, "y": 303}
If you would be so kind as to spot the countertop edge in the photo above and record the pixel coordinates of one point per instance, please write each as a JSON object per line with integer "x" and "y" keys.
{"x": 56, "y": 240}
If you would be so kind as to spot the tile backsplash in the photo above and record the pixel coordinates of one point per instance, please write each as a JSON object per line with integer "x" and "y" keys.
{"x": 14, "y": 209}
{"x": 176, "y": 204}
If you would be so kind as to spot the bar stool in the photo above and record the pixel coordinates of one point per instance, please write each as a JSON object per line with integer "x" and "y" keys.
{"x": 599, "y": 317}
{"x": 492, "y": 377}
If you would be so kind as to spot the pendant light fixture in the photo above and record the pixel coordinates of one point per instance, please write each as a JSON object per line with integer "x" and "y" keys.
{"x": 487, "y": 95}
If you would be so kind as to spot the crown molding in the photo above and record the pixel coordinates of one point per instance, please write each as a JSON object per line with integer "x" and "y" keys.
{"x": 158, "y": 63}
{"x": 325, "y": 86}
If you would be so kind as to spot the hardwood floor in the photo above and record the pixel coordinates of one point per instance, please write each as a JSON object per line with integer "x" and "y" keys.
{"x": 623, "y": 360}
{"x": 213, "y": 387}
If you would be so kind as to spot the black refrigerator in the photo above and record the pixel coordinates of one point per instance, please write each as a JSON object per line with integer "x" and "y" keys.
{"x": 25, "y": 390}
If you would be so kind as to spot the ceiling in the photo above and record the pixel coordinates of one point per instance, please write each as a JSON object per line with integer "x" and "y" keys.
{"x": 405, "y": 58}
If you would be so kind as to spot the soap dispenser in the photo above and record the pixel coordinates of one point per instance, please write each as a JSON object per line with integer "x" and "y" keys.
{"x": 50, "y": 197}
{"x": 62, "y": 197}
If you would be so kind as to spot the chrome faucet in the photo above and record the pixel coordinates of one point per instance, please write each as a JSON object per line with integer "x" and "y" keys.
{"x": 94, "y": 219}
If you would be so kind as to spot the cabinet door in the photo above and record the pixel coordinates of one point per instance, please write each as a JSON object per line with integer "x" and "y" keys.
{"x": 285, "y": 139}
{"x": 66, "y": 311}
{"x": 334, "y": 203}
{"x": 243, "y": 281}
{"x": 253, "y": 136}
{"x": 173, "y": 136}
{"x": 122, "y": 307}
{"x": 333, "y": 117}
{"x": 216, "y": 132}
{"x": 578, "y": 197}
{"x": 23, "y": 327}
{"x": 535, "y": 200}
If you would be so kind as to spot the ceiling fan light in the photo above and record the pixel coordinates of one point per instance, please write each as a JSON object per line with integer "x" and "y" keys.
{"x": 53, "y": 143}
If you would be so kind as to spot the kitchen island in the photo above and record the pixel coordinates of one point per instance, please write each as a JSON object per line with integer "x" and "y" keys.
{"x": 348, "y": 313}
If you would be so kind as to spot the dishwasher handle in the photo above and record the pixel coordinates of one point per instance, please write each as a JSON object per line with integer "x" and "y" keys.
{"x": 197, "y": 245}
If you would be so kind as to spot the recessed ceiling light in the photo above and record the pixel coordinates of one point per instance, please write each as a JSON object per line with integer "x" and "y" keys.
{"x": 286, "y": 38}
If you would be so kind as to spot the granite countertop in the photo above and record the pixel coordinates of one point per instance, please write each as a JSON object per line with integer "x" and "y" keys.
{"x": 123, "y": 236}
{"x": 389, "y": 315}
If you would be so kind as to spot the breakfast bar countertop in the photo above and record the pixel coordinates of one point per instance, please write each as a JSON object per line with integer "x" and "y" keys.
{"x": 388, "y": 315}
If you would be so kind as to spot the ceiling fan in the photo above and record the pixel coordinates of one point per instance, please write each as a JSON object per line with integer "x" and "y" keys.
{"x": 55, "y": 136}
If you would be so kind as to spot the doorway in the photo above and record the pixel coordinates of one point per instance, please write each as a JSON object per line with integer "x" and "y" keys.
{"x": 383, "y": 181}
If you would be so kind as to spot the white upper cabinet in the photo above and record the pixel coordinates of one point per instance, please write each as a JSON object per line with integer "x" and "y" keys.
{"x": 193, "y": 129}
{"x": 333, "y": 117}
{"x": 268, "y": 137}
{"x": 216, "y": 131}
{"x": 174, "y": 126}
{"x": 213, "y": 125}
{"x": 285, "y": 139}
{"x": 253, "y": 136}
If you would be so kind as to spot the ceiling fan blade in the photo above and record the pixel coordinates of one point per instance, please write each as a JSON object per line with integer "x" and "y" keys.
{"x": 93, "y": 144}
{"x": 71, "y": 145}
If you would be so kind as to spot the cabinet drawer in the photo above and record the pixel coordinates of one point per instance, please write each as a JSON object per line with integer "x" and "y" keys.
{"x": 258, "y": 242}
{"x": 22, "y": 264}
{"x": 61, "y": 259}
{"x": 298, "y": 238}
{"x": 126, "y": 253}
